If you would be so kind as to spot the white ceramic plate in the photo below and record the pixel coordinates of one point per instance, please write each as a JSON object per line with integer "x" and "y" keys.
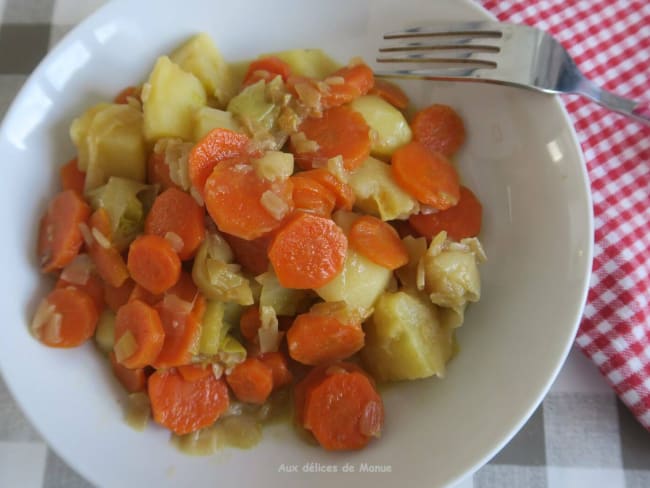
{"x": 521, "y": 158}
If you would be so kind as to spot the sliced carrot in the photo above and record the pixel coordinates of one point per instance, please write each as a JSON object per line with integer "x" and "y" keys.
{"x": 115, "y": 297}
{"x": 143, "y": 322}
{"x": 378, "y": 241}
{"x": 133, "y": 380}
{"x": 357, "y": 80}
{"x": 390, "y": 92}
{"x": 216, "y": 146}
{"x": 266, "y": 69}
{"x": 72, "y": 320}
{"x": 313, "y": 378}
{"x": 234, "y": 197}
{"x": 93, "y": 287}
{"x": 308, "y": 252}
{"x": 316, "y": 338}
{"x": 426, "y": 175}
{"x": 140, "y": 293}
{"x": 251, "y": 254}
{"x": 153, "y": 263}
{"x": 279, "y": 365}
{"x": 250, "y": 323}
{"x": 251, "y": 381}
{"x": 185, "y": 288}
{"x": 343, "y": 192}
{"x": 460, "y": 221}
{"x": 339, "y": 132}
{"x": 194, "y": 372}
{"x": 158, "y": 171}
{"x": 182, "y": 333}
{"x": 59, "y": 238}
{"x": 72, "y": 178}
{"x": 439, "y": 128}
{"x": 129, "y": 91}
{"x": 185, "y": 406}
{"x": 312, "y": 197}
{"x": 108, "y": 261}
{"x": 344, "y": 411}
{"x": 177, "y": 212}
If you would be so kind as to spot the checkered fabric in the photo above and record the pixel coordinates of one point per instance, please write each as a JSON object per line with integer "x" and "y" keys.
{"x": 582, "y": 435}
{"x": 610, "y": 41}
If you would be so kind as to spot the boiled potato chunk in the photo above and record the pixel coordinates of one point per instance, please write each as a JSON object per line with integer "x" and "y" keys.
{"x": 109, "y": 143}
{"x": 404, "y": 339}
{"x": 388, "y": 126}
{"x": 201, "y": 57}
{"x": 170, "y": 98}
{"x": 377, "y": 193}
{"x": 359, "y": 284}
{"x": 208, "y": 118}
{"x": 313, "y": 63}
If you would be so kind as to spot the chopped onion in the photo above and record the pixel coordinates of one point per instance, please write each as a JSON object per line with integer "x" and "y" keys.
{"x": 197, "y": 196}
{"x": 176, "y": 305}
{"x": 217, "y": 370}
{"x": 274, "y": 205}
{"x": 125, "y": 347}
{"x": 101, "y": 239}
{"x": 175, "y": 240}
{"x": 43, "y": 315}
{"x": 138, "y": 411}
{"x": 334, "y": 80}
{"x": 303, "y": 145}
{"x": 371, "y": 419}
{"x": 78, "y": 271}
{"x": 176, "y": 156}
{"x": 308, "y": 95}
{"x": 52, "y": 330}
{"x": 419, "y": 275}
{"x": 268, "y": 333}
{"x": 426, "y": 210}
{"x": 85, "y": 233}
{"x": 274, "y": 165}
{"x": 337, "y": 168}
{"x": 218, "y": 248}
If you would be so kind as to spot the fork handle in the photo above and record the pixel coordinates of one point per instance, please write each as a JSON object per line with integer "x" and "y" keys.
{"x": 637, "y": 110}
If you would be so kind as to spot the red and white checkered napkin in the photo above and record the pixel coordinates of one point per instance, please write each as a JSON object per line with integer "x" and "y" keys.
{"x": 610, "y": 41}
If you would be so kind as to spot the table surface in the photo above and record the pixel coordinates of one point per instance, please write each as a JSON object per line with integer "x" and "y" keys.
{"x": 581, "y": 435}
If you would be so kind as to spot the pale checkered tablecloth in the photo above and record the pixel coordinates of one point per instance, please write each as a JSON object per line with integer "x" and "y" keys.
{"x": 581, "y": 436}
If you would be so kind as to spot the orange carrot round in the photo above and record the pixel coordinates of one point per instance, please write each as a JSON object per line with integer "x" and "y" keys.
{"x": 250, "y": 323}
{"x": 343, "y": 193}
{"x": 308, "y": 252}
{"x": 73, "y": 319}
{"x": 194, "y": 372}
{"x": 439, "y": 128}
{"x": 378, "y": 241}
{"x": 460, "y": 221}
{"x": 153, "y": 263}
{"x": 234, "y": 197}
{"x": 279, "y": 365}
{"x": 186, "y": 406}
{"x": 115, "y": 297}
{"x": 312, "y": 197}
{"x": 357, "y": 80}
{"x": 426, "y": 175}
{"x": 390, "y": 92}
{"x": 140, "y": 293}
{"x": 143, "y": 322}
{"x": 177, "y": 212}
{"x": 344, "y": 411}
{"x": 251, "y": 381}
{"x": 72, "y": 178}
{"x": 59, "y": 238}
{"x": 266, "y": 69}
{"x": 216, "y": 146}
{"x": 182, "y": 333}
{"x": 251, "y": 254}
{"x": 317, "y": 339}
{"x": 133, "y": 380}
{"x": 158, "y": 171}
{"x": 339, "y": 132}
{"x": 108, "y": 262}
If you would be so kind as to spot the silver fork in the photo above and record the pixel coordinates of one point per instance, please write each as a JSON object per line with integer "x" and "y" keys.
{"x": 491, "y": 52}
